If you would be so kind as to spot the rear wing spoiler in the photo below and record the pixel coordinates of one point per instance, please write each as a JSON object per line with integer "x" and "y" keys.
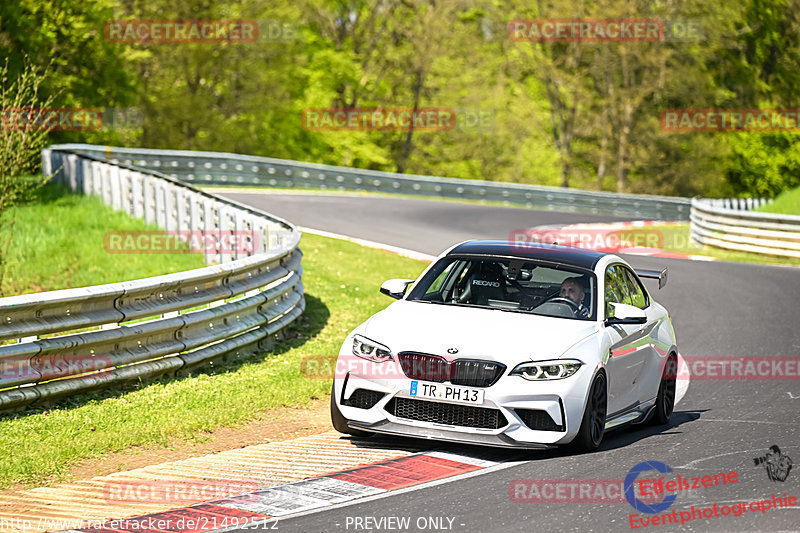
{"x": 660, "y": 275}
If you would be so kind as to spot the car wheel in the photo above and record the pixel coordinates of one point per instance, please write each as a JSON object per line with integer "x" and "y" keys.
{"x": 340, "y": 422}
{"x": 665, "y": 401}
{"x": 593, "y": 425}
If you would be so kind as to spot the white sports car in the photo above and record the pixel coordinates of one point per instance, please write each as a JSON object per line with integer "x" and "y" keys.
{"x": 512, "y": 345}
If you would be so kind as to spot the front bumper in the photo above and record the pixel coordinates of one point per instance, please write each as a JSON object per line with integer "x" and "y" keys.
{"x": 406, "y": 430}
{"x": 517, "y": 403}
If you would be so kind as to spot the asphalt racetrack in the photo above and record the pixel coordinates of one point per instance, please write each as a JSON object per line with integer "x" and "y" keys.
{"x": 717, "y": 308}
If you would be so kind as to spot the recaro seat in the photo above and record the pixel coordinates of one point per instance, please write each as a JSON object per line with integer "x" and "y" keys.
{"x": 486, "y": 283}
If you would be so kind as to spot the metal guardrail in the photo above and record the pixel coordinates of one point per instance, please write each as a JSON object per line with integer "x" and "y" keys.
{"x": 216, "y": 168}
{"x": 171, "y": 324}
{"x": 729, "y": 224}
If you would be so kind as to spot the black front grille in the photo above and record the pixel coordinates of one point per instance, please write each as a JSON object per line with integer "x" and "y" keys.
{"x": 424, "y": 367}
{"x": 466, "y": 372}
{"x": 538, "y": 420}
{"x": 476, "y": 373}
{"x": 446, "y": 413}
{"x": 363, "y": 399}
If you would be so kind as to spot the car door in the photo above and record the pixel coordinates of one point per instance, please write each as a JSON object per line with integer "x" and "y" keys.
{"x": 647, "y": 381}
{"x": 629, "y": 347}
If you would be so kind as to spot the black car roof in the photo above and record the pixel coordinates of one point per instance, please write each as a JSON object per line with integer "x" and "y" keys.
{"x": 567, "y": 255}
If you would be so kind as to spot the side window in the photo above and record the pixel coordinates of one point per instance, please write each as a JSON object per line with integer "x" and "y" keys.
{"x": 436, "y": 286}
{"x": 442, "y": 283}
{"x": 616, "y": 289}
{"x": 638, "y": 297}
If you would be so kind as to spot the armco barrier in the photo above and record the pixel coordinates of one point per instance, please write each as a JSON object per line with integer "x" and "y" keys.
{"x": 729, "y": 224}
{"x": 216, "y": 168}
{"x": 108, "y": 334}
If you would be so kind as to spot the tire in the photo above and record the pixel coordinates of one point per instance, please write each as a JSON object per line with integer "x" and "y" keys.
{"x": 593, "y": 424}
{"x": 340, "y": 422}
{"x": 665, "y": 400}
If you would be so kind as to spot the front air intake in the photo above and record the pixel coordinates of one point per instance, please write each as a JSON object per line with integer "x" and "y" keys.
{"x": 446, "y": 413}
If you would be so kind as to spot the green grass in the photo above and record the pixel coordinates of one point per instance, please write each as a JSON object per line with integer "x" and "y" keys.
{"x": 57, "y": 242}
{"x": 675, "y": 238}
{"x": 341, "y": 280}
{"x": 787, "y": 203}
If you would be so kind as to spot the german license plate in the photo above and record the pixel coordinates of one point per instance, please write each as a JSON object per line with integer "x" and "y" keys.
{"x": 444, "y": 392}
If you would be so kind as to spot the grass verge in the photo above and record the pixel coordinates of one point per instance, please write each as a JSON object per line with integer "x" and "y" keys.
{"x": 45, "y": 253}
{"x": 787, "y": 203}
{"x": 341, "y": 280}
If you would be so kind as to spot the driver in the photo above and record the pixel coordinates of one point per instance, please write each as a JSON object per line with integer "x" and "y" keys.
{"x": 572, "y": 289}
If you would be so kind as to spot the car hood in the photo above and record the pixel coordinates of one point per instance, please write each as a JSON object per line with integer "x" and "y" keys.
{"x": 503, "y": 336}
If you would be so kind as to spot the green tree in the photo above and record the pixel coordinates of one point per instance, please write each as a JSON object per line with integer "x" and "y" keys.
{"x": 66, "y": 37}
{"x": 764, "y": 165}
{"x": 21, "y": 141}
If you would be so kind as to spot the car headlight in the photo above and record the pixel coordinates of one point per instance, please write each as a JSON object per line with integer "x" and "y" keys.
{"x": 547, "y": 370}
{"x": 370, "y": 350}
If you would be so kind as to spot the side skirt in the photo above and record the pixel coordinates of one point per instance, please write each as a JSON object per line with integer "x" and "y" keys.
{"x": 635, "y": 414}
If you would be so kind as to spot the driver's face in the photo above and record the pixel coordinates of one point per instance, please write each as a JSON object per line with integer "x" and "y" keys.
{"x": 571, "y": 290}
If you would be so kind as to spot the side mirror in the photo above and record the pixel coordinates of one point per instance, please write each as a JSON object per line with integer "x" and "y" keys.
{"x": 626, "y": 314}
{"x": 396, "y": 288}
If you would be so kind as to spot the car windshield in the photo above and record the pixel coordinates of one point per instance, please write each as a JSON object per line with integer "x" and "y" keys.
{"x": 508, "y": 284}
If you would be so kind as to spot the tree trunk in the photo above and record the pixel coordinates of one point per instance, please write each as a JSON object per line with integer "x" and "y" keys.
{"x": 601, "y": 165}
{"x": 565, "y": 168}
{"x": 408, "y": 144}
{"x": 624, "y": 128}
{"x": 606, "y": 116}
{"x": 622, "y": 150}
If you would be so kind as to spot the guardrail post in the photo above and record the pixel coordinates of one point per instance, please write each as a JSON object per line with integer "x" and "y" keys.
{"x": 137, "y": 194}
{"x": 81, "y": 176}
{"x": 211, "y": 231}
{"x": 149, "y": 197}
{"x": 160, "y": 192}
{"x": 170, "y": 210}
{"x": 47, "y": 168}
{"x": 115, "y": 186}
{"x": 197, "y": 220}
{"x": 181, "y": 210}
{"x": 88, "y": 167}
{"x": 227, "y": 230}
